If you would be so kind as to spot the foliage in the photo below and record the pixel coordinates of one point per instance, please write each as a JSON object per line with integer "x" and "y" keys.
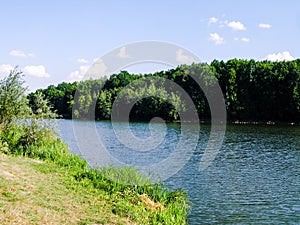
{"x": 61, "y": 97}
{"x": 85, "y": 99}
{"x": 253, "y": 90}
{"x": 21, "y": 125}
{"x": 39, "y": 126}
{"x": 13, "y": 103}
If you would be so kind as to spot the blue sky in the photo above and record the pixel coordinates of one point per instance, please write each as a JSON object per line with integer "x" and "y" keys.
{"x": 55, "y": 41}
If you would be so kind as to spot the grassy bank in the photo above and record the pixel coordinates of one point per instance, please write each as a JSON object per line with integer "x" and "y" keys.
{"x": 51, "y": 186}
{"x": 41, "y": 182}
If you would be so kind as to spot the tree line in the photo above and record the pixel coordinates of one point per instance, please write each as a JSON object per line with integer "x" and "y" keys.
{"x": 252, "y": 90}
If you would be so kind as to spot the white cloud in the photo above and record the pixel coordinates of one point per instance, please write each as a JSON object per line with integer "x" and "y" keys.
{"x": 83, "y": 61}
{"x": 236, "y": 25}
{"x": 184, "y": 59}
{"x": 244, "y": 39}
{"x": 212, "y": 20}
{"x": 265, "y": 26}
{"x": 18, "y": 53}
{"x": 96, "y": 71}
{"x": 95, "y": 60}
{"x": 5, "y": 69}
{"x": 216, "y": 38}
{"x": 281, "y": 56}
{"x": 223, "y": 23}
{"x": 122, "y": 53}
{"x": 78, "y": 75}
{"x": 36, "y": 71}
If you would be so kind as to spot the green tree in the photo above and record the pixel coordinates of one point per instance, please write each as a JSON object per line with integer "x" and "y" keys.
{"x": 39, "y": 126}
{"x": 42, "y": 108}
{"x": 253, "y": 90}
{"x": 13, "y": 102}
{"x": 104, "y": 105}
{"x": 20, "y": 125}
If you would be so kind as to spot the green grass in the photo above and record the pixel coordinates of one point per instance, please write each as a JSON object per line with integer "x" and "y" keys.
{"x": 62, "y": 189}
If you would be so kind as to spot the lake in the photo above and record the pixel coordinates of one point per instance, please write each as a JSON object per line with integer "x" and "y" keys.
{"x": 254, "y": 179}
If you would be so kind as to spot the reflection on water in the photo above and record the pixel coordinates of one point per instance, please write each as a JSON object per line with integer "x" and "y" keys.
{"x": 255, "y": 178}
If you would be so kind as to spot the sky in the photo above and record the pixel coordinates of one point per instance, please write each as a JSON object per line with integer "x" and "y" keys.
{"x": 55, "y": 41}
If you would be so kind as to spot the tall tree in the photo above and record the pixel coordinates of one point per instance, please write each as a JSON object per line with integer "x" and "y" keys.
{"x": 13, "y": 102}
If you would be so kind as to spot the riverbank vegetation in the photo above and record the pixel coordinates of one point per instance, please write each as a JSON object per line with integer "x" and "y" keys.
{"x": 253, "y": 91}
{"x": 42, "y": 182}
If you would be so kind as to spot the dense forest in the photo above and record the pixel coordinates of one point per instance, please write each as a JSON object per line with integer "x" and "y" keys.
{"x": 252, "y": 90}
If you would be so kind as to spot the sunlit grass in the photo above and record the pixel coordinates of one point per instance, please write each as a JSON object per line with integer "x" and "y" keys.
{"x": 62, "y": 189}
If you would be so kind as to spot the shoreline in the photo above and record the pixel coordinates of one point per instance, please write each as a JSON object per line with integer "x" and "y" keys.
{"x": 131, "y": 200}
{"x": 232, "y": 122}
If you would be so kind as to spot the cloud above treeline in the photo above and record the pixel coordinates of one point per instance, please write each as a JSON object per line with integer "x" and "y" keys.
{"x": 183, "y": 58}
{"x": 87, "y": 68}
{"x": 280, "y": 56}
{"x": 36, "y": 71}
{"x": 33, "y": 71}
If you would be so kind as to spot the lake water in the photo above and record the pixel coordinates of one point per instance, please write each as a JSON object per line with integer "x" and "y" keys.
{"x": 254, "y": 179}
